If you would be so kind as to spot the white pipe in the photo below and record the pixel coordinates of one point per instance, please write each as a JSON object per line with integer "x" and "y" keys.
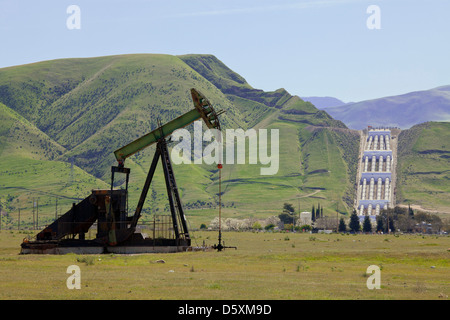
{"x": 369, "y": 143}
{"x": 372, "y": 182}
{"x": 386, "y": 189}
{"x": 366, "y": 163}
{"x": 380, "y": 164}
{"x": 375, "y": 146}
{"x": 388, "y": 147}
{"x": 374, "y": 161}
{"x": 377, "y": 210}
{"x": 379, "y": 183}
{"x": 388, "y": 164}
{"x": 363, "y": 195}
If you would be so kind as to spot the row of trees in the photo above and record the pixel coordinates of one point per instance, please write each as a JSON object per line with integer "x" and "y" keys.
{"x": 390, "y": 220}
{"x": 384, "y": 223}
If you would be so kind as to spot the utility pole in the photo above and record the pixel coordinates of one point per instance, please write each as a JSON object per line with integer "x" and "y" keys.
{"x": 388, "y": 229}
{"x": 337, "y": 217}
{"x": 35, "y": 213}
{"x": 34, "y": 222}
{"x": 18, "y": 221}
{"x": 293, "y": 222}
{"x": 18, "y": 218}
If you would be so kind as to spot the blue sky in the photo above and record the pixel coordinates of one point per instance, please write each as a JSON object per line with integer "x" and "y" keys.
{"x": 308, "y": 47}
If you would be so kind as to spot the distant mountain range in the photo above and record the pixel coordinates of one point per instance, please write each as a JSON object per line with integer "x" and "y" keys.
{"x": 324, "y": 102}
{"x": 403, "y": 111}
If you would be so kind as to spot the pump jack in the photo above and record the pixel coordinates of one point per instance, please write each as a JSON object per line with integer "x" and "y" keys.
{"x": 116, "y": 232}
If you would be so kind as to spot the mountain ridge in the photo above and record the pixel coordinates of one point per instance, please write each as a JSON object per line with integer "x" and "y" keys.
{"x": 403, "y": 111}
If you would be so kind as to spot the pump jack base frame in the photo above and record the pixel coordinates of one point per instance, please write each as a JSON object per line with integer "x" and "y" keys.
{"x": 131, "y": 242}
{"x": 86, "y": 247}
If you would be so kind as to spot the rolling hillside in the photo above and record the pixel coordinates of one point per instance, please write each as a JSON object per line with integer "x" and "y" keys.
{"x": 423, "y": 177}
{"x": 62, "y": 120}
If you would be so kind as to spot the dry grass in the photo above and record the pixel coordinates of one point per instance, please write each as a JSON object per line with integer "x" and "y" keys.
{"x": 265, "y": 266}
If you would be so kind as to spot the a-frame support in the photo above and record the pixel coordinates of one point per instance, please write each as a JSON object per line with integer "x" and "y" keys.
{"x": 176, "y": 208}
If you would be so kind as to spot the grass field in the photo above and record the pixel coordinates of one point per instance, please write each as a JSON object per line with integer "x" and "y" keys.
{"x": 273, "y": 266}
{"x": 423, "y": 171}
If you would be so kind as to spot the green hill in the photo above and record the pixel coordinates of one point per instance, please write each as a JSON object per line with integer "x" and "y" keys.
{"x": 78, "y": 111}
{"x": 424, "y": 166}
{"x": 31, "y": 171}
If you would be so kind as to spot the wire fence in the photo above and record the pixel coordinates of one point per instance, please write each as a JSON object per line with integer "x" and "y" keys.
{"x": 157, "y": 227}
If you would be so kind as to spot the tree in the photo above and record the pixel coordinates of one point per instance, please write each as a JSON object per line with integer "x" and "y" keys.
{"x": 313, "y": 214}
{"x": 380, "y": 226}
{"x": 354, "y": 224}
{"x": 286, "y": 217}
{"x": 405, "y": 223}
{"x": 321, "y": 212}
{"x": 342, "y": 226}
{"x": 288, "y": 213}
{"x": 436, "y": 223}
{"x": 289, "y": 208}
{"x": 391, "y": 223}
{"x": 410, "y": 211}
{"x": 367, "y": 225}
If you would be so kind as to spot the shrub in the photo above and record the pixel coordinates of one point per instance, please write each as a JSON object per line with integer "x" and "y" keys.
{"x": 256, "y": 226}
{"x": 305, "y": 227}
{"x": 89, "y": 261}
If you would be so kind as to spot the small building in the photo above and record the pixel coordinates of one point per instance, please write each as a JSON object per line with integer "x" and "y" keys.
{"x": 305, "y": 218}
{"x": 423, "y": 227}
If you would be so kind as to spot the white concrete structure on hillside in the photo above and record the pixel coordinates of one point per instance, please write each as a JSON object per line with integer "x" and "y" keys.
{"x": 375, "y": 178}
{"x": 305, "y": 218}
